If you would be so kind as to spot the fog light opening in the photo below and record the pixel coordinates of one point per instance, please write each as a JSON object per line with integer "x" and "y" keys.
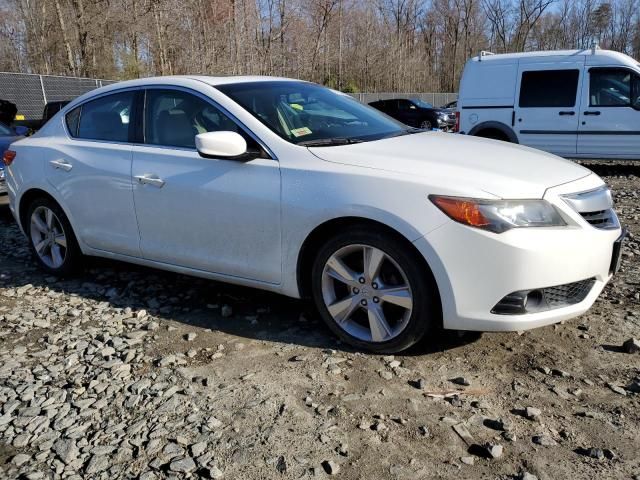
{"x": 533, "y": 301}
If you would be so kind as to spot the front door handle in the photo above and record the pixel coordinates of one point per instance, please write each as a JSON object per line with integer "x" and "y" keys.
{"x": 61, "y": 165}
{"x": 592, "y": 113}
{"x": 150, "y": 179}
{"x": 566, "y": 113}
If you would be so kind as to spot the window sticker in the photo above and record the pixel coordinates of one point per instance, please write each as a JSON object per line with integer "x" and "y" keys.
{"x": 301, "y": 132}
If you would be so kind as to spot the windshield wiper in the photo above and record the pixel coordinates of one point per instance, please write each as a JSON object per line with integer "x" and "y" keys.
{"x": 329, "y": 142}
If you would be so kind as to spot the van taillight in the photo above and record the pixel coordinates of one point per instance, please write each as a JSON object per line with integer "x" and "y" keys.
{"x": 457, "y": 127}
{"x": 8, "y": 157}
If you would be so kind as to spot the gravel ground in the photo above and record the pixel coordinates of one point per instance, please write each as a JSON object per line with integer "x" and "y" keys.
{"x": 126, "y": 372}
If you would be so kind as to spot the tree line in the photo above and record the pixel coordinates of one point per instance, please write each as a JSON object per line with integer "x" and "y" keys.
{"x": 352, "y": 45}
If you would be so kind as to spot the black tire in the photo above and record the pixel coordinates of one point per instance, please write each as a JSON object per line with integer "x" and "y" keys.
{"x": 427, "y": 125}
{"x": 73, "y": 254}
{"x": 426, "y": 313}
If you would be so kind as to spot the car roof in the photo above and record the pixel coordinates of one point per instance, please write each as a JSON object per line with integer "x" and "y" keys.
{"x": 178, "y": 80}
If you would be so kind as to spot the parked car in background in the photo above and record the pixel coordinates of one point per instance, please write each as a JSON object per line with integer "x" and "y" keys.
{"x": 8, "y": 112}
{"x": 51, "y": 108}
{"x": 287, "y": 186}
{"x": 8, "y": 135}
{"x": 417, "y": 113}
{"x": 578, "y": 103}
{"x": 450, "y": 106}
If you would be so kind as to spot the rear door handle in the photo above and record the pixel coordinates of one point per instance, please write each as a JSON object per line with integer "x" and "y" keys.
{"x": 567, "y": 113}
{"x": 150, "y": 179}
{"x": 61, "y": 165}
{"x": 592, "y": 113}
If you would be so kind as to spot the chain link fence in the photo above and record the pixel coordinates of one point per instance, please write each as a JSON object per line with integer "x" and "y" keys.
{"x": 31, "y": 92}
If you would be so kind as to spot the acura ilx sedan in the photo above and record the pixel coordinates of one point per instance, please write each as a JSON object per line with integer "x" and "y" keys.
{"x": 287, "y": 186}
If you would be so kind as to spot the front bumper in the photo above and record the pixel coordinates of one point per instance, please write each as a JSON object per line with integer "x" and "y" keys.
{"x": 475, "y": 269}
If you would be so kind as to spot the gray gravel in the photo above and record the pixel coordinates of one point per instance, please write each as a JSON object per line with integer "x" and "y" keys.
{"x": 125, "y": 372}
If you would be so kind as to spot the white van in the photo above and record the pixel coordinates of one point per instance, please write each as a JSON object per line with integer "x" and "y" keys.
{"x": 574, "y": 103}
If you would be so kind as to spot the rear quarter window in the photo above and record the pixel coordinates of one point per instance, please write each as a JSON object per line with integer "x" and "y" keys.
{"x": 72, "y": 119}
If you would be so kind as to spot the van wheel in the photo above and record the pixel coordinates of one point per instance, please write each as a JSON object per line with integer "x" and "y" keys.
{"x": 373, "y": 292}
{"x": 51, "y": 238}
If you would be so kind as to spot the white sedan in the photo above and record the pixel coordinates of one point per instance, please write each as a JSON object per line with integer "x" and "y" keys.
{"x": 287, "y": 186}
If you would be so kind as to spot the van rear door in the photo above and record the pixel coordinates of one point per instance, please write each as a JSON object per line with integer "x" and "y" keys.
{"x": 548, "y": 105}
{"x": 610, "y": 114}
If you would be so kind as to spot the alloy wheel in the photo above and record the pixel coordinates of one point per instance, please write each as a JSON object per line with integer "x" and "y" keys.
{"x": 367, "y": 293}
{"x": 48, "y": 237}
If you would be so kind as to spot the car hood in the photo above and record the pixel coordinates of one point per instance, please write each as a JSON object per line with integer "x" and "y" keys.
{"x": 458, "y": 163}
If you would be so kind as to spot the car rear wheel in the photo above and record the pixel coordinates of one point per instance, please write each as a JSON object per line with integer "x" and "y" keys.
{"x": 373, "y": 292}
{"x": 51, "y": 237}
{"x": 426, "y": 124}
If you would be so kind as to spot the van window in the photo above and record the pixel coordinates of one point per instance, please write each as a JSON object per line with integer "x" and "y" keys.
{"x": 610, "y": 87}
{"x": 549, "y": 88}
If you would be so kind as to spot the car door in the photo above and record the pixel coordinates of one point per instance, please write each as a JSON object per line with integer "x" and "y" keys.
{"x": 215, "y": 215}
{"x": 409, "y": 114}
{"x": 610, "y": 115}
{"x": 91, "y": 172}
{"x": 546, "y": 114}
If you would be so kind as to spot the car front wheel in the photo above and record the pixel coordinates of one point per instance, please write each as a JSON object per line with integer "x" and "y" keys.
{"x": 373, "y": 291}
{"x": 51, "y": 237}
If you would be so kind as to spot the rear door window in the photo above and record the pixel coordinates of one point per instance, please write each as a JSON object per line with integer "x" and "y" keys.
{"x": 549, "y": 88}
{"x": 106, "y": 118}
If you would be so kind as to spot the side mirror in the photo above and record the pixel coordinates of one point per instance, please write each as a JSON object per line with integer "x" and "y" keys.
{"x": 221, "y": 145}
{"x": 22, "y": 130}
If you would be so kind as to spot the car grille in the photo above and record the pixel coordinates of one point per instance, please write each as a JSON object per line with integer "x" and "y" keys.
{"x": 595, "y": 206}
{"x": 568, "y": 294}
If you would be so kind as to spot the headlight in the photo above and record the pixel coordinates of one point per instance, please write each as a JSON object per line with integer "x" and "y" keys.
{"x": 499, "y": 215}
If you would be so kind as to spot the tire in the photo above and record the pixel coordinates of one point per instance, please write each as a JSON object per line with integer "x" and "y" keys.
{"x": 46, "y": 222}
{"x": 426, "y": 125}
{"x": 355, "y": 302}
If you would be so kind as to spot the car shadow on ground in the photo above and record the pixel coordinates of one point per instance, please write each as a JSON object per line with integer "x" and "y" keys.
{"x": 256, "y": 314}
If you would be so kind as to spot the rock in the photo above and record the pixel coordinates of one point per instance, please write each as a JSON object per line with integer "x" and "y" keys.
{"x": 467, "y": 460}
{"x": 198, "y": 449}
{"x": 20, "y": 459}
{"x": 532, "y": 413}
{"x": 190, "y": 337}
{"x": 544, "y": 440}
{"x": 66, "y": 450}
{"x": 493, "y": 450}
{"x": 596, "y": 453}
{"x": 560, "y": 373}
{"x": 631, "y": 346}
{"x": 424, "y": 431}
{"x": 386, "y": 374}
{"x": 97, "y": 464}
{"x": 616, "y": 388}
{"x": 107, "y": 351}
{"x": 215, "y": 473}
{"x": 331, "y": 467}
{"x": 634, "y": 386}
{"x": 527, "y": 476}
{"x": 461, "y": 381}
{"x": 183, "y": 465}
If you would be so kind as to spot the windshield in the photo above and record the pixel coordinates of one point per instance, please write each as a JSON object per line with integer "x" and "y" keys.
{"x": 308, "y": 114}
{"x": 422, "y": 103}
{"x": 4, "y": 130}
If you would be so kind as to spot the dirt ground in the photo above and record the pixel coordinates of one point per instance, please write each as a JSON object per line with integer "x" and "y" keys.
{"x": 99, "y": 378}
